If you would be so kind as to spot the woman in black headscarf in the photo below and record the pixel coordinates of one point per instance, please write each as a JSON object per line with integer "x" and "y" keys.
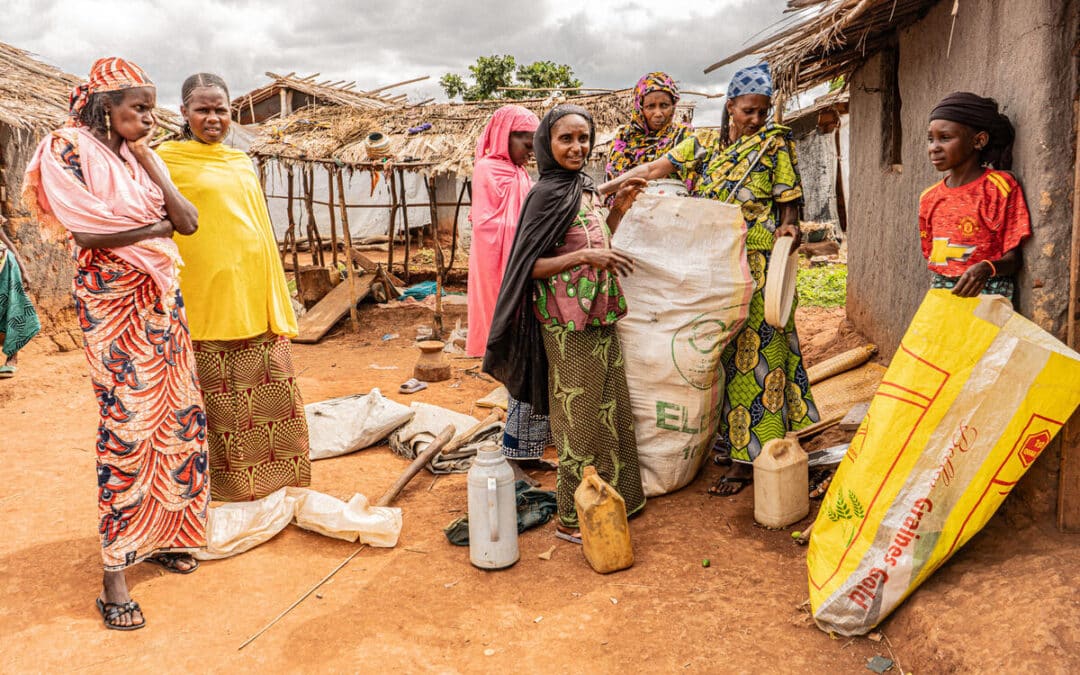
{"x": 553, "y": 341}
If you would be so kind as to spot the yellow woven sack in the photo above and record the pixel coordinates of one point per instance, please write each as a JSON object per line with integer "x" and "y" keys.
{"x": 973, "y": 395}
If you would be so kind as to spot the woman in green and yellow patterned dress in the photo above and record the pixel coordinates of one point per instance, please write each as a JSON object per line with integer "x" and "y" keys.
{"x": 753, "y": 163}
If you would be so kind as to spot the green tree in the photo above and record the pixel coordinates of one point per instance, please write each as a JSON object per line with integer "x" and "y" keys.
{"x": 489, "y": 73}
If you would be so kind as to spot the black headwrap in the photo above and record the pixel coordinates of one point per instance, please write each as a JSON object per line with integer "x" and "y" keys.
{"x": 981, "y": 114}
{"x": 515, "y": 349}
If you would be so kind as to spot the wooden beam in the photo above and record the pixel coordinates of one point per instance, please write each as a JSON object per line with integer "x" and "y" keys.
{"x": 1068, "y": 510}
{"x": 396, "y": 84}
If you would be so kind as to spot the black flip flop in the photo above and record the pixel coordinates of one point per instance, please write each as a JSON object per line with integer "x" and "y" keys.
{"x": 111, "y": 611}
{"x": 536, "y": 464}
{"x": 169, "y": 560}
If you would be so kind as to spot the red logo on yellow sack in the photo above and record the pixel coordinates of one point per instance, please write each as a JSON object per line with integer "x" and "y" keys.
{"x": 1031, "y": 447}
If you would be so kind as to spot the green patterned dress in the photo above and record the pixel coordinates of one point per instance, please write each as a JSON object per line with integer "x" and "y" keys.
{"x": 767, "y": 390}
{"x": 591, "y": 419}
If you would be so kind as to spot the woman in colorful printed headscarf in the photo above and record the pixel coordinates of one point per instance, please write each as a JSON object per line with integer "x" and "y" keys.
{"x": 653, "y": 129}
{"x": 751, "y": 161}
{"x": 500, "y": 184}
{"x": 99, "y": 181}
{"x": 238, "y": 308}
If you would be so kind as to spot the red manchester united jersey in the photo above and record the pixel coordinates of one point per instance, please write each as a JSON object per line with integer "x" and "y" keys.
{"x": 982, "y": 220}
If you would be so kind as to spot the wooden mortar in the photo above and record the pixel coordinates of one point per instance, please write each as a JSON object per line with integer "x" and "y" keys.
{"x": 432, "y": 366}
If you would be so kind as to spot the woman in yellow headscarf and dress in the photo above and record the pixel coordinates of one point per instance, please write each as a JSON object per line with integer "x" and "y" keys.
{"x": 238, "y": 307}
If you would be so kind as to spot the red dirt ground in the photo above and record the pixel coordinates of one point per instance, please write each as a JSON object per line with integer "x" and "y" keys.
{"x": 1006, "y": 603}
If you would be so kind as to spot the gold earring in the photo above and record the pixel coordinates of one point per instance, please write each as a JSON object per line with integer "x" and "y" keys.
{"x": 108, "y": 126}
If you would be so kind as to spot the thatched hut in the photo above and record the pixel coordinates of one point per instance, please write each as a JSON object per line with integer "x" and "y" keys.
{"x": 900, "y": 57}
{"x": 420, "y": 178}
{"x": 286, "y": 94}
{"x": 33, "y": 101}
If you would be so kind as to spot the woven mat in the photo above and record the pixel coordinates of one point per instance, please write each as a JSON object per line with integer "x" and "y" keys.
{"x": 836, "y": 396}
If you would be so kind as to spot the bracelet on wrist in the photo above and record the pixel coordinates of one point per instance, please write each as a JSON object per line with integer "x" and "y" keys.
{"x": 993, "y": 269}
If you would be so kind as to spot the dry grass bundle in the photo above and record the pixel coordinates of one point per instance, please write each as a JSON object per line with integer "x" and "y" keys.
{"x": 338, "y": 133}
{"x": 829, "y": 38}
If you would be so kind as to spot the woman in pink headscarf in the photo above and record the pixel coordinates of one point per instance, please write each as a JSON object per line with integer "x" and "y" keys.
{"x": 98, "y": 183}
{"x": 500, "y": 184}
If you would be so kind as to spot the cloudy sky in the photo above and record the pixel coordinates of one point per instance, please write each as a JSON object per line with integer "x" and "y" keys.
{"x": 609, "y": 43}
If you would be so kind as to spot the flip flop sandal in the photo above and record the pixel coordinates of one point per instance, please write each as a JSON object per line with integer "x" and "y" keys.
{"x": 7, "y": 371}
{"x": 411, "y": 386}
{"x": 725, "y": 480}
{"x": 536, "y": 464}
{"x": 568, "y": 536}
{"x": 111, "y": 611}
{"x": 170, "y": 561}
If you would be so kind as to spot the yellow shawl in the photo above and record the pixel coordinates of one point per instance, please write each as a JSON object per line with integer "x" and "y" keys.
{"x": 233, "y": 283}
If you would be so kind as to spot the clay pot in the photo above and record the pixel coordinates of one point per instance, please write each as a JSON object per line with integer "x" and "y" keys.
{"x": 432, "y": 366}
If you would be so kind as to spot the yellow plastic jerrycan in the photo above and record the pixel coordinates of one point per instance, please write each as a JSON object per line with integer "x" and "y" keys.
{"x": 605, "y": 534}
{"x": 781, "y": 483}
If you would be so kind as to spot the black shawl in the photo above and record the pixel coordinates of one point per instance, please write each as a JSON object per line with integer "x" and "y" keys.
{"x": 515, "y": 349}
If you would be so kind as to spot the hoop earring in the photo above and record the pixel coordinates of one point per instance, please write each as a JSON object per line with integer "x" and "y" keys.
{"x": 108, "y": 126}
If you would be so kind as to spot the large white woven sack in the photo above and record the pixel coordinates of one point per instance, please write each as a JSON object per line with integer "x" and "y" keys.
{"x": 688, "y": 297}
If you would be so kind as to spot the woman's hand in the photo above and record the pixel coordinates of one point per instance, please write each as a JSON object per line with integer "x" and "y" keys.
{"x": 141, "y": 148}
{"x": 792, "y": 231}
{"x": 162, "y": 228}
{"x": 627, "y": 193}
{"x": 607, "y": 259}
{"x": 972, "y": 281}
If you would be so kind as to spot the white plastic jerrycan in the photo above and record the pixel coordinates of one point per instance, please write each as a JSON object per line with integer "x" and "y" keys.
{"x": 781, "y": 483}
{"x": 493, "y": 535}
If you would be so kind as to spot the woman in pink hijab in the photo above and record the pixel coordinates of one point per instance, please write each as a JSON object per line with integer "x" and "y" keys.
{"x": 500, "y": 184}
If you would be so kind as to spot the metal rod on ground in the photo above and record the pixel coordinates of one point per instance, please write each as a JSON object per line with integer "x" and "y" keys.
{"x": 354, "y": 318}
{"x": 421, "y": 460}
{"x": 302, "y": 598}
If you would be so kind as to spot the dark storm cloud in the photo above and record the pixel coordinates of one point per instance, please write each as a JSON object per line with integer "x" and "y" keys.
{"x": 609, "y": 44}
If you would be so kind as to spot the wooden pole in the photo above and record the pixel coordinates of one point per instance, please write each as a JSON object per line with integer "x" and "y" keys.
{"x": 405, "y": 221}
{"x": 429, "y": 183}
{"x": 312, "y": 227}
{"x": 333, "y": 216}
{"x": 393, "y": 214}
{"x": 457, "y": 211}
{"x": 291, "y": 236}
{"x": 350, "y": 275}
{"x": 421, "y": 460}
{"x": 1068, "y": 506}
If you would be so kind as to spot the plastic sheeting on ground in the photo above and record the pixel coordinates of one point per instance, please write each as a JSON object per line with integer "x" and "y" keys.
{"x": 972, "y": 397}
{"x": 237, "y": 527}
{"x": 687, "y": 298}
{"x": 427, "y": 422}
{"x": 342, "y": 425}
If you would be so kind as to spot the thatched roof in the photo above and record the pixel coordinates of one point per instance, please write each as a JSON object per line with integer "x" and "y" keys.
{"x": 828, "y": 38}
{"x": 338, "y": 133}
{"x": 34, "y": 95}
{"x": 323, "y": 92}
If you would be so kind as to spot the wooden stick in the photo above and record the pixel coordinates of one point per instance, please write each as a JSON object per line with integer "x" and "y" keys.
{"x": 405, "y": 221}
{"x": 302, "y": 597}
{"x": 292, "y": 232}
{"x": 459, "y": 441}
{"x": 818, "y": 427}
{"x": 333, "y": 216}
{"x": 369, "y": 92}
{"x": 421, "y": 460}
{"x": 354, "y": 318}
{"x": 393, "y": 217}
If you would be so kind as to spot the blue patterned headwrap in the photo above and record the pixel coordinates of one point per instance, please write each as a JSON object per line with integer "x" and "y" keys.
{"x": 751, "y": 80}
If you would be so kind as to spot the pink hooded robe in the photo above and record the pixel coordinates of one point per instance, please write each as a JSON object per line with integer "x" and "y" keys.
{"x": 499, "y": 190}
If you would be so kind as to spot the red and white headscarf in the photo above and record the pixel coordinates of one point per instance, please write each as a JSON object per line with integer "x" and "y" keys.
{"x": 111, "y": 73}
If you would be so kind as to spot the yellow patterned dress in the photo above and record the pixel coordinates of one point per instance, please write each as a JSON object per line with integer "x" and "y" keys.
{"x": 767, "y": 390}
